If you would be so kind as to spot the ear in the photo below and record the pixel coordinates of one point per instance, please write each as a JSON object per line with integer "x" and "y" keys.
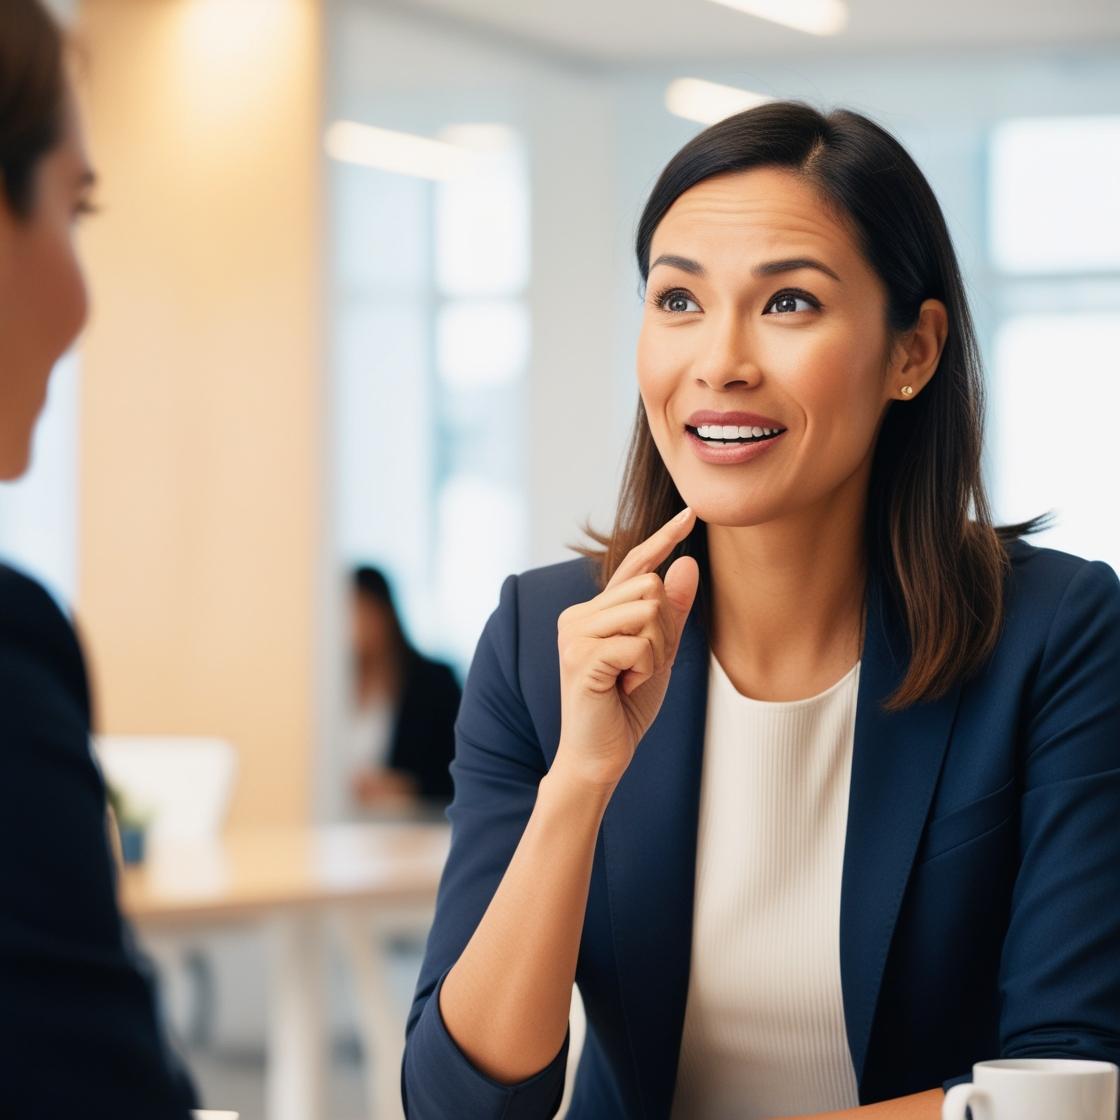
{"x": 919, "y": 351}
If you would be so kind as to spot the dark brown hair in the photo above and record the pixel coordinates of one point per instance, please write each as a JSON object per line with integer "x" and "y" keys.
{"x": 373, "y": 585}
{"x": 31, "y": 96}
{"x": 941, "y": 563}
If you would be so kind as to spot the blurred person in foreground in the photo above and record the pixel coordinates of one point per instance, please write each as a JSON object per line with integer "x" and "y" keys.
{"x": 402, "y": 730}
{"x": 80, "y": 1029}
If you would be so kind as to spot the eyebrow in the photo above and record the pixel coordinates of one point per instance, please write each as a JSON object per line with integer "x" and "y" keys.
{"x": 791, "y": 264}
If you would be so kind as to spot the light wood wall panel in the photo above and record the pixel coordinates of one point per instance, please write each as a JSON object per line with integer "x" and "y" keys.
{"x": 202, "y": 380}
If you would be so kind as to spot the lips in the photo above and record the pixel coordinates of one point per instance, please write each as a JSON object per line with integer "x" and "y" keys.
{"x": 737, "y": 419}
{"x": 731, "y": 453}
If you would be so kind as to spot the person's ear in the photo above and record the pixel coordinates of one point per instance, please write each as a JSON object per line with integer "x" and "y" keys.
{"x": 917, "y": 353}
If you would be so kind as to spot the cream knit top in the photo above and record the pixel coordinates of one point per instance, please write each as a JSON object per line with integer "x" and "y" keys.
{"x": 764, "y": 1031}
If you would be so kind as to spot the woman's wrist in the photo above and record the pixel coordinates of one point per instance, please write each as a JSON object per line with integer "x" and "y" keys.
{"x": 573, "y": 792}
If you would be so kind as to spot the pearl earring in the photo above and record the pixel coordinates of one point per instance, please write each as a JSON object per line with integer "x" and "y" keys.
{"x": 908, "y": 390}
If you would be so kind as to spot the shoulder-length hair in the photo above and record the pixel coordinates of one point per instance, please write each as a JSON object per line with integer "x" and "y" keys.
{"x": 928, "y": 533}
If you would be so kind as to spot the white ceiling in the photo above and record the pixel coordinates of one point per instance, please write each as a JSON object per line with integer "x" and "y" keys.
{"x": 644, "y": 31}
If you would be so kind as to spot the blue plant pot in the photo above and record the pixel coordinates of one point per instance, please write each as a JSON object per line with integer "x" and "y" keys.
{"x": 132, "y": 844}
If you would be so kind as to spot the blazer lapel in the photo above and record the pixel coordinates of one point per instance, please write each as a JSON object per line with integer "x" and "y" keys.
{"x": 649, "y": 847}
{"x": 649, "y": 840}
{"x": 896, "y": 762}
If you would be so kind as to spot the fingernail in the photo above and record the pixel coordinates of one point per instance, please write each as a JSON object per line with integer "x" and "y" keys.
{"x": 683, "y": 515}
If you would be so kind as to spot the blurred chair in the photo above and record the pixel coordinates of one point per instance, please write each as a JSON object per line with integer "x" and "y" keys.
{"x": 184, "y": 784}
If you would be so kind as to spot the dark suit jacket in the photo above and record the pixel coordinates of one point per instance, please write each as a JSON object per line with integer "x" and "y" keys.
{"x": 980, "y": 908}
{"x": 423, "y": 741}
{"x": 80, "y": 1032}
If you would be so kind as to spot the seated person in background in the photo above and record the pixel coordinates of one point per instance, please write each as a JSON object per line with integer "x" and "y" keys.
{"x": 405, "y": 704}
{"x": 80, "y": 1031}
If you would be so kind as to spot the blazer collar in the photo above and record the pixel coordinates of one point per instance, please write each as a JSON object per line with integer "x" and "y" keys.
{"x": 650, "y": 830}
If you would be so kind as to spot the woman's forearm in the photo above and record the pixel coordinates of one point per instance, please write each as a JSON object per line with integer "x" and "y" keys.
{"x": 915, "y": 1106}
{"x": 507, "y": 998}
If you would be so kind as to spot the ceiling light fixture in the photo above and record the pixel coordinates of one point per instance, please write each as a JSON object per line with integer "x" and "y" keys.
{"x": 817, "y": 17}
{"x": 708, "y": 102}
{"x": 401, "y": 152}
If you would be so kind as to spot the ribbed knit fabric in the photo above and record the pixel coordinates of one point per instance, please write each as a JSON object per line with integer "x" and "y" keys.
{"x": 764, "y": 1031}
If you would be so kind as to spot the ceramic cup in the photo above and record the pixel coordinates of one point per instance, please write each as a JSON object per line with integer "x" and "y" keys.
{"x": 1036, "y": 1089}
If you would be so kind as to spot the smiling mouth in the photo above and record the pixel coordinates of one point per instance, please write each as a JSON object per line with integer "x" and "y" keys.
{"x": 721, "y": 442}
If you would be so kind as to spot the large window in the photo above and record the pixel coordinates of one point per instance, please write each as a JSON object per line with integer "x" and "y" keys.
{"x": 431, "y": 351}
{"x": 1054, "y": 247}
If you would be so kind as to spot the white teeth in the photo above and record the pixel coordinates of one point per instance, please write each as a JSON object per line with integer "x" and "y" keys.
{"x": 728, "y": 431}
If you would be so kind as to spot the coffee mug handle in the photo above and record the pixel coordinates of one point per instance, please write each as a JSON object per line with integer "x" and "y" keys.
{"x": 960, "y": 1097}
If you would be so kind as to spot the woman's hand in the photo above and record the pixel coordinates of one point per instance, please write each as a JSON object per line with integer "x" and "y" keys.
{"x": 616, "y": 656}
{"x": 384, "y": 787}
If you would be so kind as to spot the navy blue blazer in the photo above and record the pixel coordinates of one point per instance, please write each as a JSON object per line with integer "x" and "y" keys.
{"x": 980, "y": 901}
{"x": 81, "y": 1034}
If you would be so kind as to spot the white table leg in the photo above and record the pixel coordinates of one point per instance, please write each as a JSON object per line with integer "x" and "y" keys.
{"x": 295, "y": 1075}
{"x": 380, "y": 1022}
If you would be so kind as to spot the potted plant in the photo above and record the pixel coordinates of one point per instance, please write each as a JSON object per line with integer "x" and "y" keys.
{"x": 132, "y": 823}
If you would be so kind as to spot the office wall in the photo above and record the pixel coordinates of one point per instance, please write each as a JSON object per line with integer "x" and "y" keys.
{"x": 201, "y": 379}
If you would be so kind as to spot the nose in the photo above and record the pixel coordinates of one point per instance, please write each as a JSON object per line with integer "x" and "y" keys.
{"x": 724, "y": 359}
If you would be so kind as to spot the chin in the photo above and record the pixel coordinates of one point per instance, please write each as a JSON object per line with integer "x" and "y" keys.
{"x": 14, "y": 461}
{"x": 729, "y": 513}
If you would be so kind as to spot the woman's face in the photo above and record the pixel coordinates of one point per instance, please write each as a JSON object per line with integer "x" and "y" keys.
{"x": 725, "y": 330}
{"x": 372, "y": 645}
{"x": 43, "y": 301}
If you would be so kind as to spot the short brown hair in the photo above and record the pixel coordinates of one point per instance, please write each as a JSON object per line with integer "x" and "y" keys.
{"x": 31, "y": 96}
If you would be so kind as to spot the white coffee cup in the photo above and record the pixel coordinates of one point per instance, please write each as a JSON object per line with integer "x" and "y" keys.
{"x": 1036, "y": 1089}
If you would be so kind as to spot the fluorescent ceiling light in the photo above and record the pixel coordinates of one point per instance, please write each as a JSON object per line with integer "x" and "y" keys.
{"x": 708, "y": 102}
{"x": 484, "y": 139}
{"x": 395, "y": 151}
{"x": 817, "y": 17}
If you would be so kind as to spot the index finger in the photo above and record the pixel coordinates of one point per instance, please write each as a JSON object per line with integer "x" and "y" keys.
{"x": 645, "y": 557}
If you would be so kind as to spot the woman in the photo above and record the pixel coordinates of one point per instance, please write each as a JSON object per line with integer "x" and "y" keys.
{"x": 403, "y": 730}
{"x": 79, "y": 1027}
{"x": 813, "y": 787}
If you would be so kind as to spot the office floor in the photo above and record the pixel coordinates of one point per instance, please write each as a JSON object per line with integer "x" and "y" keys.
{"x": 232, "y": 1076}
{"x": 235, "y": 1080}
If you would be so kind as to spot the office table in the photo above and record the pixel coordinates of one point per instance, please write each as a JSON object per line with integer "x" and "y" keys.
{"x": 365, "y": 882}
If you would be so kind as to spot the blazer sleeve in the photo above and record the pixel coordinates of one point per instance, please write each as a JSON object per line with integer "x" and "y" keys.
{"x": 497, "y": 766}
{"x": 1060, "y": 967}
{"x": 80, "y": 1033}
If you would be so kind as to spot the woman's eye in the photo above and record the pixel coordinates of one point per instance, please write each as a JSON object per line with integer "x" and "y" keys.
{"x": 788, "y": 298}
{"x": 83, "y": 208}
{"x": 677, "y": 301}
